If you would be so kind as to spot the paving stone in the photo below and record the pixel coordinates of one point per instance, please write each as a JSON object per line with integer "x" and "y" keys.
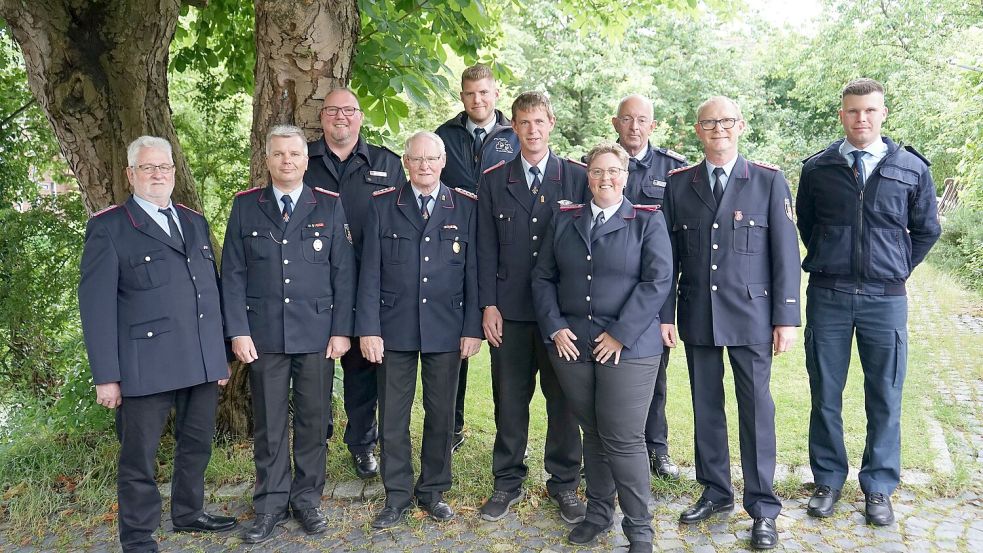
{"x": 348, "y": 490}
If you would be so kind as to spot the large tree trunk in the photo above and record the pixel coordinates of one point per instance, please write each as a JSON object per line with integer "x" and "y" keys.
{"x": 304, "y": 48}
{"x": 98, "y": 68}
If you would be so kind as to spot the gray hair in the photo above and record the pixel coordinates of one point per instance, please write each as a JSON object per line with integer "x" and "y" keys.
{"x": 424, "y": 134}
{"x": 645, "y": 101}
{"x": 155, "y": 142}
{"x": 285, "y": 131}
{"x": 715, "y": 99}
{"x": 608, "y": 148}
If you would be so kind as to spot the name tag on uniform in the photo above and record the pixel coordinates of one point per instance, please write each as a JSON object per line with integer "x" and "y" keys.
{"x": 378, "y": 174}
{"x": 659, "y": 183}
{"x": 318, "y": 245}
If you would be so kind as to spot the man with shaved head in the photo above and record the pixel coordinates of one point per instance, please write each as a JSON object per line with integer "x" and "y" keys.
{"x": 736, "y": 255}
{"x": 342, "y": 161}
{"x": 647, "y": 170}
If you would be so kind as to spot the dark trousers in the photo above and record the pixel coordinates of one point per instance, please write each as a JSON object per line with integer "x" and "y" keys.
{"x": 139, "y": 424}
{"x": 610, "y": 402}
{"x": 397, "y": 387}
{"x": 656, "y": 426}
{"x": 272, "y": 377}
{"x": 881, "y": 324}
{"x": 462, "y": 388}
{"x": 361, "y": 397}
{"x": 751, "y": 366}
{"x": 514, "y": 365}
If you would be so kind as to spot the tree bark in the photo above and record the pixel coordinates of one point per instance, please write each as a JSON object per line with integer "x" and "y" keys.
{"x": 98, "y": 69}
{"x": 304, "y": 48}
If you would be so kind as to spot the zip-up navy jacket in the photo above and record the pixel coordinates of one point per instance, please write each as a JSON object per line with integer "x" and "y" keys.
{"x": 463, "y": 169}
{"x": 866, "y": 240}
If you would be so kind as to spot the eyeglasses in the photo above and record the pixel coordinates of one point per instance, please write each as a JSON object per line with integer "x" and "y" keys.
{"x": 628, "y": 120}
{"x": 612, "y": 172}
{"x": 418, "y": 160}
{"x": 150, "y": 169}
{"x": 725, "y": 123}
{"x": 347, "y": 111}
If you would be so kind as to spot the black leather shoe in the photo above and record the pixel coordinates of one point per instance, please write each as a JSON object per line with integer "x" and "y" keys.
{"x": 439, "y": 511}
{"x": 208, "y": 523}
{"x": 365, "y": 465}
{"x": 263, "y": 526}
{"x": 764, "y": 534}
{"x": 586, "y": 532}
{"x": 878, "y": 509}
{"x": 823, "y": 501}
{"x": 388, "y": 517}
{"x": 458, "y": 440}
{"x": 662, "y": 466}
{"x": 640, "y": 547}
{"x": 704, "y": 509}
{"x": 312, "y": 520}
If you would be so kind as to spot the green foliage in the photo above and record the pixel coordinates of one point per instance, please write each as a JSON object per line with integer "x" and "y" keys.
{"x": 960, "y": 250}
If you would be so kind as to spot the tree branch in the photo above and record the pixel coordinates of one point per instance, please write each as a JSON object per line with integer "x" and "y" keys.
{"x": 6, "y": 120}
{"x": 200, "y": 4}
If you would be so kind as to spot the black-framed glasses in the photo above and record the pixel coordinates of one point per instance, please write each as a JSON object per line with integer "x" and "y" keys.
{"x": 347, "y": 111}
{"x": 612, "y": 172}
{"x": 150, "y": 169}
{"x": 725, "y": 123}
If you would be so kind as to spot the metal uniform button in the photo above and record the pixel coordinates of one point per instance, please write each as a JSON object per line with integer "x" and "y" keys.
{"x": 193, "y": 277}
{"x": 589, "y": 318}
{"x": 715, "y": 246}
{"x": 535, "y": 238}
{"x": 426, "y": 258}
{"x": 715, "y": 225}
{"x": 201, "y": 315}
{"x": 535, "y": 220}
{"x": 287, "y": 261}
{"x": 588, "y": 298}
{"x": 199, "y": 296}
{"x": 534, "y": 254}
{"x": 424, "y": 300}
{"x": 150, "y": 335}
{"x": 286, "y": 281}
{"x": 588, "y": 258}
{"x": 255, "y": 233}
{"x": 751, "y": 223}
{"x": 395, "y": 236}
{"x": 286, "y": 300}
{"x": 316, "y": 233}
{"x": 427, "y": 239}
{"x": 424, "y": 279}
{"x": 146, "y": 258}
{"x": 714, "y": 287}
{"x": 189, "y": 260}
{"x": 284, "y": 242}
{"x": 684, "y": 227}
{"x": 713, "y": 267}
{"x": 588, "y": 277}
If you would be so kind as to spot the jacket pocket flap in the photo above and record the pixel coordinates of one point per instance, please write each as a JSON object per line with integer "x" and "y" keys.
{"x": 207, "y": 253}
{"x": 505, "y": 213}
{"x": 452, "y": 234}
{"x": 325, "y": 303}
{"x": 654, "y": 191}
{"x": 751, "y": 220}
{"x": 146, "y": 257}
{"x": 894, "y": 172}
{"x": 388, "y": 299}
{"x": 149, "y": 329}
{"x": 457, "y": 302}
{"x": 393, "y": 233}
{"x": 686, "y": 224}
{"x": 757, "y": 290}
{"x": 313, "y": 233}
{"x": 248, "y": 232}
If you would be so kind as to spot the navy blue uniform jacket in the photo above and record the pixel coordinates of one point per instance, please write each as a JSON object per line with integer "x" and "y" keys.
{"x": 463, "y": 170}
{"x": 866, "y": 241}
{"x": 418, "y": 286}
{"x": 290, "y": 287}
{"x": 370, "y": 169}
{"x": 738, "y": 268}
{"x": 151, "y": 312}
{"x": 647, "y": 177}
{"x": 512, "y": 225}
{"x": 608, "y": 284}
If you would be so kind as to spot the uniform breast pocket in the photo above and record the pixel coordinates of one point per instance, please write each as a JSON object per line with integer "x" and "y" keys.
{"x": 257, "y": 243}
{"x": 453, "y": 246}
{"x": 208, "y": 254}
{"x": 504, "y": 220}
{"x": 395, "y": 246}
{"x": 687, "y": 237}
{"x": 751, "y": 233}
{"x": 316, "y": 245}
{"x": 652, "y": 194}
{"x": 893, "y": 189}
{"x": 149, "y": 270}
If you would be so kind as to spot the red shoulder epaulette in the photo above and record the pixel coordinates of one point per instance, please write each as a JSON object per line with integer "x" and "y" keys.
{"x": 248, "y": 191}
{"x": 680, "y": 169}
{"x": 771, "y": 166}
{"x": 189, "y": 209}
{"x": 383, "y": 191}
{"x": 675, "y": 155}
{"x": 328, "y": 192}
{"x": 647, "y": 207}
{"x": 105, "y": 210}
{"x": 467, "y": 193}
{"x": 580, "y": 163}
{"x": 571, "y": 207}
{"x": 493, "y": 167}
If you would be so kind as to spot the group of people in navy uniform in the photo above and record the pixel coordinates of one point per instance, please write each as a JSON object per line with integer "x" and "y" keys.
{"x": 583, "y": 273}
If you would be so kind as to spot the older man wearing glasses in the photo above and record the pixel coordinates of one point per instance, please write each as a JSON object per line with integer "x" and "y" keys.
{"x": 418, "y": 302}
{"x": 736, "y": 256}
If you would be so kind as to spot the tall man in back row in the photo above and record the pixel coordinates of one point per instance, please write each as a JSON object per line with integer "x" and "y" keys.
{"x": 737, "y": 257}
{"x": 344, "y": 162}
{"x": 647, "y": 170}
{"x": 515, "y": 206}
{"x": 152, "y": 322}
{"x": 868, "y": 217}
{"x": 475, "y": 139}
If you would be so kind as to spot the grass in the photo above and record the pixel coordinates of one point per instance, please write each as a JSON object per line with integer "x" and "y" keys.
{"x": 48, "y": 482}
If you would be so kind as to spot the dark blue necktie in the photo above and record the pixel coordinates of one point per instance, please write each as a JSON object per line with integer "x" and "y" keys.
{"x": 536, "y": 182}
{"x": 858, "y": 167}
{"x": 479, "y": 136}
{"x": 288, "y": 207}
{"x": 172, "y": 225}
{"x": 598, "y": 221}
{"x": 424, "y": 206}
